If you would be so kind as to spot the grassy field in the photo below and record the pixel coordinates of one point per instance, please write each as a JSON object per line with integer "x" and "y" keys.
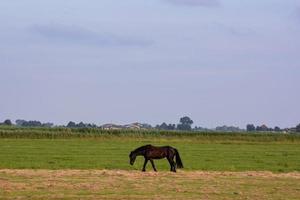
{"x": 63, "y": 148}
{"x": 112, "y": 153}
{"x": 94, "y": 164}
{"x": 118, "y": 184}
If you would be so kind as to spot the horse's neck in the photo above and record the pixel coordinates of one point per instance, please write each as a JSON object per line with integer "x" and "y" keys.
{"x": 140, "y": 153}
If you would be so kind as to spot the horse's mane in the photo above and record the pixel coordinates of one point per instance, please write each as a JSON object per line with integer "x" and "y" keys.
{"x": 142, "y": 148}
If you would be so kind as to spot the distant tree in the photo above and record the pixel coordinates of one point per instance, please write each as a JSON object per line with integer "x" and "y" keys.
{"x": 198, "y": 128}
{"x": 262, "y": 128}
{"x": 48, "y": 125}
{"x": 184, "y": 127}
{"x": 36, "y": 123}
{"x": 298, "y": 128}
{"x": 250, "y": 127}
{"x": 7, "y": 122}
{"x": 81, "y": 125}
{"x": 71, "y": 124}
{"x": 221, "y": 128}
{"x": 186, "y": 120}
{"x": 19, "y": 122}
{"x": 277, "y": 129}
{"x": 91, "y": 125}
{"x": 163, "y": 126}
{"x": 32, "y": 124}
{"x": 146, "y": 126}
{"x": 171, "y": 127}
{"x": 185, "y": 124}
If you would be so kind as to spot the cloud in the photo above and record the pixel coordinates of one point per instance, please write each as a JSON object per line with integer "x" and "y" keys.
{"x": 206, "y": 3}
{"x": 79, "y": 35}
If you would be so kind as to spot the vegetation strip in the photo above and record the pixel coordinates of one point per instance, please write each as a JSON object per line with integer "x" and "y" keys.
{"x": 66, "y": 133}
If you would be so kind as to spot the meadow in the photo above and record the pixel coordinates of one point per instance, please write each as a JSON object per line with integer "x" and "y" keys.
{"x": 112, "y": 153}
{"x": 63, "y": 148}
{"x": 247, "y": 161}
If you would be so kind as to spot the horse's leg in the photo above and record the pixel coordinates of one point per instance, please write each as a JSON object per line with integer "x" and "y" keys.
{"x": 174, "y": 166}
{"x": 174, "y": 163}
{"x": 153, "y": 166}
{"x": 171, "y": 164}
{"x": 145, "y": 163}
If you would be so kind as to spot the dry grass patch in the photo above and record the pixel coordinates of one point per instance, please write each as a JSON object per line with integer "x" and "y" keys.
{"x": 119, "y": 184}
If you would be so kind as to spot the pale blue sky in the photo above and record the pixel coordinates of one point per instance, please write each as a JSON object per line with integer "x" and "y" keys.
{"x": 220, "y": 62}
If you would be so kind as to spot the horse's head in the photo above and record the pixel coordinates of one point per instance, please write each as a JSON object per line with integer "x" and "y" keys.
{"x": 132, "y": 157}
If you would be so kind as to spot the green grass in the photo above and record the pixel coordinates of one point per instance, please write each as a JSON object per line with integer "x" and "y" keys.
{"x": 112, "y": 153}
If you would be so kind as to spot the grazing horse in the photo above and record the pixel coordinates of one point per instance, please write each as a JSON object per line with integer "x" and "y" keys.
{"x": 151, "y": 152}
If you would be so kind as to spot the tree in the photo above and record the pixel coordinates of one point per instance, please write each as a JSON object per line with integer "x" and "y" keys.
{"x": 91, "y": 125}
{"x": 81, "y": 125}
{"x": 7, "y": 122}
{"x": 32, "y": 124}
{"x": 258, "y": 128}
{"x": 186, "y": 120}
{"x": 71, "y": 124}
{"x": 277, "y": 129}
{"x": 250, "y": 127}
{"x": 171, "y": 127}
{"x": 262, "y": 128}
{"x": 185, "y": 124}
{"x": 163, "y": 126}
{"x": 48, "y": 125}
{"x": 20, "y": 122}
{"x": 298, "y": 128}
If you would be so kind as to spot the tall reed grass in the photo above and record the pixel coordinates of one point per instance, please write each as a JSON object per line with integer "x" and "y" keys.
{"x": 65, "y": 133}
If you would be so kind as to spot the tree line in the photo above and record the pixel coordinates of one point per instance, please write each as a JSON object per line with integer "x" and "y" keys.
{"x": 185, "y": 124}
{"x": 265, "y": 128}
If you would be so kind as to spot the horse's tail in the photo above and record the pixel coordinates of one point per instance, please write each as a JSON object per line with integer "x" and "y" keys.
{"x": 178, "y": 159}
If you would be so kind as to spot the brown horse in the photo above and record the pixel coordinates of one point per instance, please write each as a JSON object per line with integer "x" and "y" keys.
{"x": 151, "y": 152}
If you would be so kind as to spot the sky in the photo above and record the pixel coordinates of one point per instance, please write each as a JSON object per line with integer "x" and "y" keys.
{"x": 219, "y": 62}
